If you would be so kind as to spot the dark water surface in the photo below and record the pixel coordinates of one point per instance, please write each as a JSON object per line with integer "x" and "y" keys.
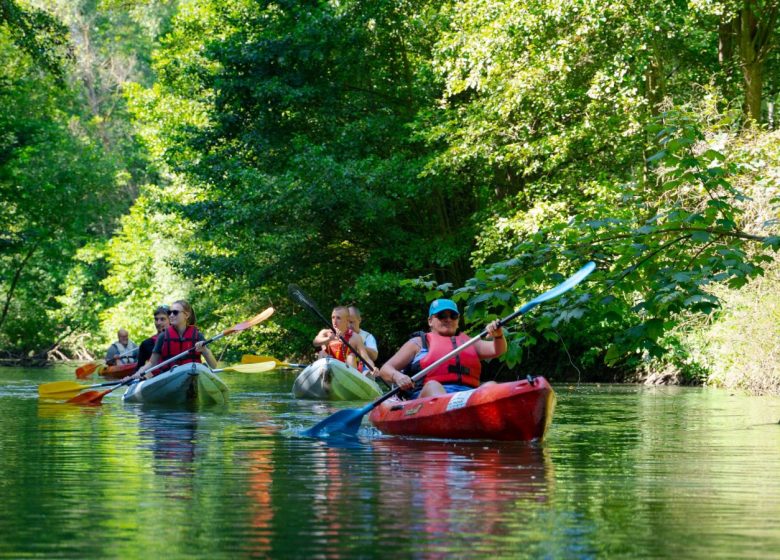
{"x": 625, "y": 472}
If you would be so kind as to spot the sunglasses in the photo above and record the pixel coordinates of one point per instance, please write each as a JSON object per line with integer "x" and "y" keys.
{"x": 174, "y": 312}
{"x": 446, "y": 315}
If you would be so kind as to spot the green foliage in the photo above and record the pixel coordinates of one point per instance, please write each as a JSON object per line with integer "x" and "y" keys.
{"x": 69, "y": 167}
{"x": 39, "y": 34}
{"x": 662, "y": 245}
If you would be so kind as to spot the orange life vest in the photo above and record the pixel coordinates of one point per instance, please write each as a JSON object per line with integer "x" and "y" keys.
{"x": 339, "y": 350}
{"x": 462, "y": 369}
{"x": 173, "y": 345}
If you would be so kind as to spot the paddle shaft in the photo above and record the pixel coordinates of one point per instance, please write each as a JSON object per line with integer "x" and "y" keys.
{"x": 122, "y": 355}
{"x": 348, "y": 420}
{"x": 161, "y": 365}
{"x": 344, "y": 340}
{"x": 550, "y": 294}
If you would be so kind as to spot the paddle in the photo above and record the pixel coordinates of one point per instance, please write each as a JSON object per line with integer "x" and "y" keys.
{"x": 347, "y": 421}
{"x": 298, "y": 295}
{"x": 88, "y": 369}
{"x": 253, "y": 359}
{"x": 94, "y": 397}
{"x": 66, "y": 389}
{"x": 258, "y": 367}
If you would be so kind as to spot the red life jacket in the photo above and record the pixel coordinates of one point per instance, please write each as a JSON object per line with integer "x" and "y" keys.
{"x": 173, "y": 345}
{"x": 462, "y": 369}
{"x": 339, "y": 350}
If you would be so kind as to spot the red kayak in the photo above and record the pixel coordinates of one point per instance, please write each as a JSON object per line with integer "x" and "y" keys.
{"x": 117, "y": 372}
{"x": 520, "y": 411}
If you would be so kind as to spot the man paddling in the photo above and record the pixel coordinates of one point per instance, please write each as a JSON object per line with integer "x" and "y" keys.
{"x": 369, "y": 341}
{"x": 460, "y": 373}
{"x": 123, "y": 345}
{"x": 335, "y": 348}
{"x": 147, "y": 346}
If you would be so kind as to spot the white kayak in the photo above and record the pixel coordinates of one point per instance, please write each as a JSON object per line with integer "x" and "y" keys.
{"x": 182, "y": 384}
{"x": 331, "y": 379}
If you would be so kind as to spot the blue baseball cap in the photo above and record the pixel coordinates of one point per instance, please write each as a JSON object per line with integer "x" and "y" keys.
{"x": 442, "y": 305}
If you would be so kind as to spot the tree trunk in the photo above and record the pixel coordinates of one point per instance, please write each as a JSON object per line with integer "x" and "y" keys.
{"x": 15, "y": 281}
{"x": 727, "y": 30}
{"x": 751, "y": 66}
{"x": 754, "y": 80}
{"x": 757, "y": 22}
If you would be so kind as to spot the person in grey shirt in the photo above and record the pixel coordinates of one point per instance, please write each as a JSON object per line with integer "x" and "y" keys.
{"x": 123, "y": 345}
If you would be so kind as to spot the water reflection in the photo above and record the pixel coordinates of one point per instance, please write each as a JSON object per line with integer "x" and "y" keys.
{"x": 172, "y": 438}
{"x": 625, "y": 473}
{"x": 449, "y": 488}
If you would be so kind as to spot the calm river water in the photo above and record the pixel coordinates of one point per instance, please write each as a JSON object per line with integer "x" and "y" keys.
{"x": 626, "y": 472}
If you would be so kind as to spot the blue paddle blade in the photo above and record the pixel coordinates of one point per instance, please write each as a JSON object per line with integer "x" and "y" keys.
{"x": 343, "y": 422}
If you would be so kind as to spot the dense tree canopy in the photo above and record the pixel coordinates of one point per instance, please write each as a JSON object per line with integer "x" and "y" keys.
{"x": 387, "y": 152}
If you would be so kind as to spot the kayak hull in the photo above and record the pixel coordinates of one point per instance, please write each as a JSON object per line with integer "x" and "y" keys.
{"x": 117, "y": 372}
{"x": 331, "y": 379}
{"x": 183, "y": 384}
{"x": 517, "y": 411}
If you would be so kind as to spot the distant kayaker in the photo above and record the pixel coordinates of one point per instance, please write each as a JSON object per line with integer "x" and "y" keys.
{"x": 460, "y": 373}
{"x": 332, "y": 346}
{"x": 369, "y": 341}
{"x": 146, "y": 348}
{"x": 181, "y": 335}
{"x": 122, "y": 345}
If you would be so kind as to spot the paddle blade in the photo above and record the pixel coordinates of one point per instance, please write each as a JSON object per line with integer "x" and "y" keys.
{"x": 300, "y": 296}
{"x": 259, "y": 318}
{"x": 86, "y": 370}
{"x": 258, "y": 367}
{"x": 561, "y": 288}
{"x": 90, "y": 397}
{"x": 342, "y": 423}
{"x": 253, "y": 359}
{"x": 59, "y": 389}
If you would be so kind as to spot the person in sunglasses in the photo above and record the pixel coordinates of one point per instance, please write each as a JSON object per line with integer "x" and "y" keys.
{"x": 181, "y": 335}
{"x": 459, "y": 373}
{"x": 147, "y": 346}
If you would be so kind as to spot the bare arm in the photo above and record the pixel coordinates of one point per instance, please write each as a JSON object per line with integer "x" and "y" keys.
{"x": 323, "y": 337}
{"x": 357, "y": 343}
{"x": 487, "y": 349}
{"x": 209, "y": 355}
{"x": 153, "y": 361}
{"x": 391, "y": 371}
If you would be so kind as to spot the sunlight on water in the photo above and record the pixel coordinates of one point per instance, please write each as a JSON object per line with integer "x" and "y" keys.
{"x": 625, "y": 472}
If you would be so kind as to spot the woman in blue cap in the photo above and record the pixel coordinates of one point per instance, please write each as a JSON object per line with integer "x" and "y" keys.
{"x": 460, "y": 373}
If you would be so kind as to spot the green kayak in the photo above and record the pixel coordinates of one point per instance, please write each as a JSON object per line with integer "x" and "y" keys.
{"x": 330, "y": 379}
{"x": 182, "y": 384}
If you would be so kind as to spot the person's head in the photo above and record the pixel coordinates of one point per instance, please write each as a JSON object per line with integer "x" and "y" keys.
{"x": 181, "y": 314}
{"x": 339, "y": 318}
{"x": 443, "y": 317}
{"x": 354, "y": 318}
{"x": 161, "y": 318}
{"x": 122, "y": 336}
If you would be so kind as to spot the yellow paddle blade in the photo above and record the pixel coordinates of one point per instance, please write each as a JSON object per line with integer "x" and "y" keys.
{"x": 253, "y": 359}
{"x": 258, "y": 367}
{"x": 60, "y": 389}
{"x": 259, "y": 318}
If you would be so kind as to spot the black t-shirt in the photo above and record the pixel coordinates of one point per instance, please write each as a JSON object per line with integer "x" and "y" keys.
{"x": 145, "y": 352}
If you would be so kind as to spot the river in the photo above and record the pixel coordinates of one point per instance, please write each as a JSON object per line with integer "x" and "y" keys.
{"x": 625, "y": 472}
